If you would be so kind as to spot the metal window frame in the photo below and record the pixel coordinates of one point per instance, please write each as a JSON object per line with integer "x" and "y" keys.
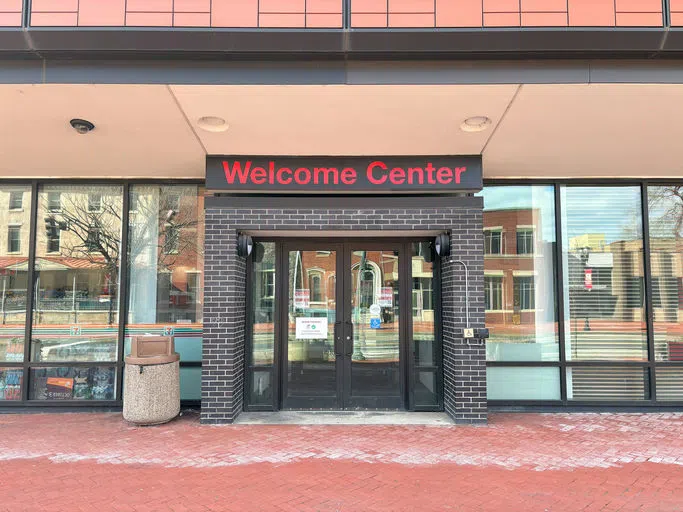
{"x": 650, "y": 401}
{"x": 27, "y": 364}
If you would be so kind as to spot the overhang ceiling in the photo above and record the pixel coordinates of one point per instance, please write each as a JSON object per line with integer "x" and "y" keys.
{"x": 151, "y": 131}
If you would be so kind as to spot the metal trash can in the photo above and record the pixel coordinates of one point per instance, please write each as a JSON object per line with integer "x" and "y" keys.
{"x": 151, "y": 381}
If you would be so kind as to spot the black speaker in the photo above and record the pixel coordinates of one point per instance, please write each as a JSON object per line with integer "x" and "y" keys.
{"x": 442, "y": 245}
{"x": 244, "y": 245}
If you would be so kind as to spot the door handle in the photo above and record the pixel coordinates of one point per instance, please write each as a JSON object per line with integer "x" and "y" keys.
{"x": 348, "y": 339}
{"x": 338, "y": 341}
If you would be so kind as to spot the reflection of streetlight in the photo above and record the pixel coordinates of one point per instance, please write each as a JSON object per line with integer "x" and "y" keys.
{"x": 584, "y": 255}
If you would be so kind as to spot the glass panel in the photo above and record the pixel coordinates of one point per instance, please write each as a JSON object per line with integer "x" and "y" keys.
{"x": 666, "y": 248}
{"x": 69, "y": 383}
{"x": 522, "y": 383}
{"x": 191, "y": 383}
{"x": 670, "y": 383}
{"x": 166, "y": 241}
{"x": 166, "y": 264}
{"x": 375, "y": 316}
{"x": 263, "y": 328}
{"x": 261, "y": 387}
{"x": 10, "y": 383}
{"x": 424, "y": 302}
{"x": 15, "y": 224}
{"x": 519, "y": 273}
{"x": 263, "y": 304}
{"x": 75, "y": 311}
{"x": 310, "y": 351}
{"x": 607, "y": 383}
{"x": 426, "y": 392}
{"x": 603, "y": 266}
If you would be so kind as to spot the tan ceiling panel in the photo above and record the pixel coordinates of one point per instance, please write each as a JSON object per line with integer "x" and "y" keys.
{"x": 590, "y": 131}
{"x": 343, "y": 119}
{"x": 140, "y": 132}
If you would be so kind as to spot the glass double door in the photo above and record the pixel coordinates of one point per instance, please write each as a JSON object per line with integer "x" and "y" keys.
{"x": 343, "y": 345}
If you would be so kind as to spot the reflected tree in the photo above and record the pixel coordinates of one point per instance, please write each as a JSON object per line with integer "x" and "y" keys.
{"x": 666, "y": 205}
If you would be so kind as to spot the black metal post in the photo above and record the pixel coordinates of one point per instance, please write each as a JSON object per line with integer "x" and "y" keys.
{"x": 647, "y": 276}
{"x": 30, "y": 282}
{"x": 123, "y": 289}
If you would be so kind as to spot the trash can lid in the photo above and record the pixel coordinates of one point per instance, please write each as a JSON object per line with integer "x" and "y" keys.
{"x": 152, "y": 360}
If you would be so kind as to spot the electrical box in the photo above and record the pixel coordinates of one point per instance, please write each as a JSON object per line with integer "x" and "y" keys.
{"x": 468, "y": 333}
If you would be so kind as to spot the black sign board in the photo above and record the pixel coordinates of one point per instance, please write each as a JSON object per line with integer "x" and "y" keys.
{"x": 334, "y": 175}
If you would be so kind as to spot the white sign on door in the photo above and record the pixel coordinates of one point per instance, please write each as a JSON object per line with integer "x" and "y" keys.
{"x": 311, "y": 328}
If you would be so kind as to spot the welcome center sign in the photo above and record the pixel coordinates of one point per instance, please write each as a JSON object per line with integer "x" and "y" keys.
{"x": 438, "y": 174}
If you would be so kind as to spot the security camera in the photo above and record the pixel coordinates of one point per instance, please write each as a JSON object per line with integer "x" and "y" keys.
{"x": 82, "y": 126}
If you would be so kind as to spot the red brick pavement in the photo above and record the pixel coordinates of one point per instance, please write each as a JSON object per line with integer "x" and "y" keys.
{"x": 535, "y": 462}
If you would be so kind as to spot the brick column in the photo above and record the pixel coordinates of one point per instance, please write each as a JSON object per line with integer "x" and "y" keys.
{"x": 464, "y": 363}
{"x": 224, "y": 321}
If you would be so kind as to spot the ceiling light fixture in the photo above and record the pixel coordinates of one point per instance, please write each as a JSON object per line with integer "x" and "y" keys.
{"x": 212, "y": 124}
{"x": 475, "y": 124}
{"x": 82, "y": 126}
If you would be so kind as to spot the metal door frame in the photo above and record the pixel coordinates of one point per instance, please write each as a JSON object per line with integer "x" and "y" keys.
{"x": 344, "y": 245}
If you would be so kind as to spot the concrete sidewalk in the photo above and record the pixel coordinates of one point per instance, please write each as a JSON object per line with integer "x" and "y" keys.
{"x": 536, "y": 462}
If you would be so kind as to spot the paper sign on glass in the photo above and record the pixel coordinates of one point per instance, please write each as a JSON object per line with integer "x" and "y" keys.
{"x": 386, "y": 297}
{"x": 302, "y": 298}
{"x": 311, "y": 328}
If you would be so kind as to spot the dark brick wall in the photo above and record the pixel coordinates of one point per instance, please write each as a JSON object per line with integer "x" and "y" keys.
{"x": 225, "y": 306}
{"x": 224, "y": 323}
{"x": 464, "y": 363}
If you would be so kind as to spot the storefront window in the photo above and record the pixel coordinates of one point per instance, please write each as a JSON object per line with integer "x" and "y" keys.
{"x": 165, "y": 256}
{"x": 666, "y": 259}
{"x": 603, "y": 267}
{"x": 263, "y": 322}
{"x": 15, "y": 222}
{"x": 520, "y": 292}
{"x": 166, "y": 269}
{"x": 73, "y": 383}
{"x": 519, "y": 279}
{"x": 76, "y": 294}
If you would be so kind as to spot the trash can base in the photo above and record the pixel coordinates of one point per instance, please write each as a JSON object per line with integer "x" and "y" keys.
{"x": 151, "y": 393}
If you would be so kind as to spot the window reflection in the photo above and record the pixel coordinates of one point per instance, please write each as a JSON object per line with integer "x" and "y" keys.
{"x": 75, "y": 310}
{"x": 666, "y": 258}
{"x": 166, "y": 270}
{"x": 603, "y": 265}
{"x": 263, "y": 303}
{"x": 166, "y": 244}
{"x": 263, "y": 324}
{"x": 519, "y": 279}
{"x": 15, "y": 219}
{"x": 426, "y": 346}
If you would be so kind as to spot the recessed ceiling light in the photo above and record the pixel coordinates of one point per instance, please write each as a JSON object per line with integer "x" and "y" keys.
{"x": 212, "y": 124}
{"x": 475, "y": 124}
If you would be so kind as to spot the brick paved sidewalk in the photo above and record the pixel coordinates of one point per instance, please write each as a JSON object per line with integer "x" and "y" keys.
{"x": 535, "y": 462}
